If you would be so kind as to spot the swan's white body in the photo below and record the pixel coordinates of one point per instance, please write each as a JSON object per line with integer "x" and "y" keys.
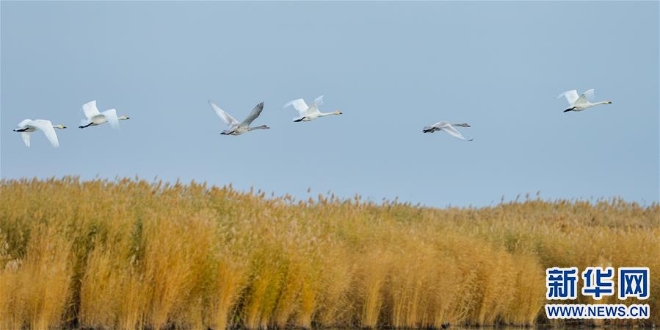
{"x": 448, "y": 128}
{"x": 312, "y": 112}
{"x": 579, "y": 103}
{"x": 27, "y": 126}
{"x": 95, "y": 118}
{"x": 235, "y": 127}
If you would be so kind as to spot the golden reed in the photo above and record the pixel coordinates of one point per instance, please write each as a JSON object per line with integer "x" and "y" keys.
{"x": 132, "y": 254}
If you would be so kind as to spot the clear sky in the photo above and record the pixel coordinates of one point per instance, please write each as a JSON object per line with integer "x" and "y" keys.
{"x": 391, "y": 67}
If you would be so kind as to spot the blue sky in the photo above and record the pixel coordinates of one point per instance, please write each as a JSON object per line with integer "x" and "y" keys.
{"x": 391, "y": 67}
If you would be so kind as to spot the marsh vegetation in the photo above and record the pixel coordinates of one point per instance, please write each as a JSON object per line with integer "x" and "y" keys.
{"x": 136, "y": 254}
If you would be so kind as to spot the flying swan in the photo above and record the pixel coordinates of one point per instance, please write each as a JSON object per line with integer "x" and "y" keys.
{"x": 236, "y": 128}
{"x": 95, "y": 118}
{"x": 448, "y": 128}
{"x": 27, "y": 126}
{"x": 579, "y": 103}
{"x": 312, "y": 112}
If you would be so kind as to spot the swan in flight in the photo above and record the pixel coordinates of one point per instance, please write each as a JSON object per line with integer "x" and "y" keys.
{"x": 308, "y": 113}
{"x": 236, "y": 128}
{"x": 27, "y": 126}
{"x": 447, "y": 127}
{"x": 95, "y": 118}
{"x": 579, "y": 103}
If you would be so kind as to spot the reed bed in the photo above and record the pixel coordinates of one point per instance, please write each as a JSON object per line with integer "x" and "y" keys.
{"x": 132, "y": 254}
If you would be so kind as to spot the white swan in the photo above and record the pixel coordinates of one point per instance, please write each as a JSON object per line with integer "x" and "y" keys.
{"x": 95, "y": 118}
{"x": 308, "y": 113}
{"x": 579, "y": 103}
{"x": 236, "y": 128}
{"x": 27, "y": 126}
{"x": 447, "y": 127}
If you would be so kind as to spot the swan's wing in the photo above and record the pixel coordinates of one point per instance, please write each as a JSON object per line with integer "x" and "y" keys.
{"x": 453, "y": 132}
{"x": 299, "y": 105}
{"x": 90, "y": 109}
{"x": 253, "y": 115}
{"x": 26, "y": 137}
{"x": 24, "y": 123}
{"x": 227, "y": 118}
{"x": 111, "y": 116}
{"x": 589, "y": 94}
{"x": 583, "y": 99}
{"x": 47, "y": 127}
{"x": 319, "y": 100}
{"x": 571, "y": 96}
{"x": 440, "y": 124}
{"x": 314, "y": 108}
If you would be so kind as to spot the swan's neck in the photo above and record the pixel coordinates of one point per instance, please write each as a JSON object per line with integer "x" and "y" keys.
{"x": 602, "y": 102}
{"x": 323, "y": 114}
{"x": 258, "y": 127}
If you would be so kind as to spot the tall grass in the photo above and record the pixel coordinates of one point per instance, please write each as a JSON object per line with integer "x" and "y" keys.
{"x": 132, "y": 254}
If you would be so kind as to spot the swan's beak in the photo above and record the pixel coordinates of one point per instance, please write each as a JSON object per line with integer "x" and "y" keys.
{"x": 609, "y": 102}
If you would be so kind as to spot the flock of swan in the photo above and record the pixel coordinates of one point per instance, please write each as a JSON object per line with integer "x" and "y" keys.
{"x": 93, "y": 117}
